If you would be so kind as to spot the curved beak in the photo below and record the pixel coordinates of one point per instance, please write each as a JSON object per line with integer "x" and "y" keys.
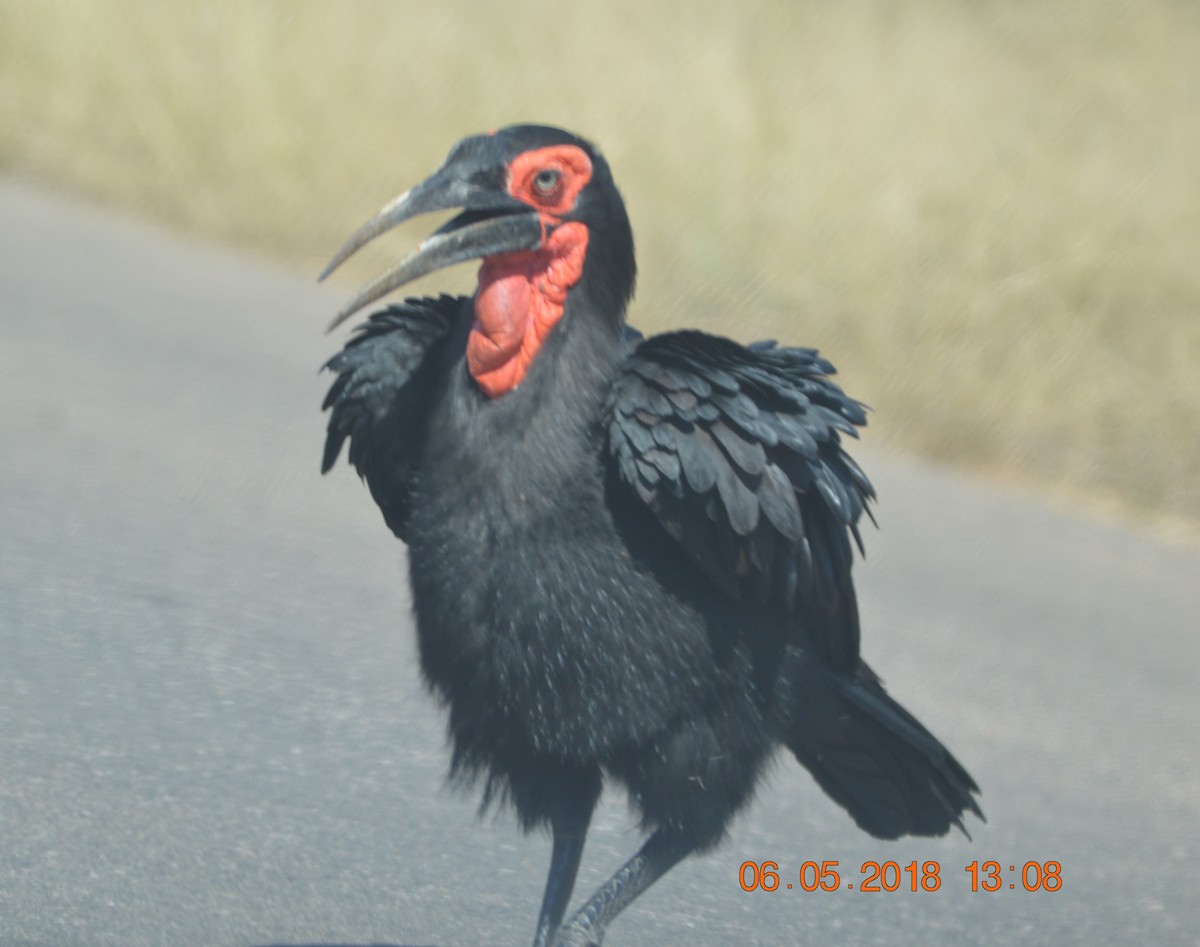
{"x": 492, "y": 223}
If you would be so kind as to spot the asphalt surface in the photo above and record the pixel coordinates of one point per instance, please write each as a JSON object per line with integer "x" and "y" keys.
{"x": 212, "y": 729}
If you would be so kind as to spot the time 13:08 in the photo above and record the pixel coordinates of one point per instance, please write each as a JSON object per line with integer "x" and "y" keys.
{"x": 1035, "y": 876}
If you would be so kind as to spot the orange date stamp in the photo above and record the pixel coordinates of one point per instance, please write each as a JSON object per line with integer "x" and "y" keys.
{"x": 879, "y": 877}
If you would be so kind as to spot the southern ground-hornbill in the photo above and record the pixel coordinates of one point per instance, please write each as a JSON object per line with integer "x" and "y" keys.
{"x": 629, "y": 557}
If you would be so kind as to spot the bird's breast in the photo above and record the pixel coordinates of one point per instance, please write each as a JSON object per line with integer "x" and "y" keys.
{"x": 533, "y": 620}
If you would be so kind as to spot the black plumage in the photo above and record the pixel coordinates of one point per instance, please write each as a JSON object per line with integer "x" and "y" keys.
{"x": 635, "y": 563}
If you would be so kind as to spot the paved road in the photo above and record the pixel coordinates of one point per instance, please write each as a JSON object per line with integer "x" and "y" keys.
{"x": 212, "y": 730}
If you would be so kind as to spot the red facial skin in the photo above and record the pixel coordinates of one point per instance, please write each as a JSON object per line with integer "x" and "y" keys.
{"x": 521, "y": 295}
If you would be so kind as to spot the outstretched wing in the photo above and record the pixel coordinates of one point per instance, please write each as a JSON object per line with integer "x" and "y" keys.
{"x": 737, "y": 451}
{"x": 379, "y": 398}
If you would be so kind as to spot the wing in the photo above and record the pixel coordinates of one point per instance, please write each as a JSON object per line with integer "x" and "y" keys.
{"x": 737, "y": 451}
{"x": 379, "y": 399}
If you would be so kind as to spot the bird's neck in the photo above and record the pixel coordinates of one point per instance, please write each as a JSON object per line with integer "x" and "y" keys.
{"x": 542, "y": 440}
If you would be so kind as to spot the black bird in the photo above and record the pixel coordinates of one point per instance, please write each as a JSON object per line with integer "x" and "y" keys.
{"x": 630, "y": 558}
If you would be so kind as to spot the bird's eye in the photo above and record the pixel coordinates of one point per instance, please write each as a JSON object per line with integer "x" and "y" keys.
{"x": 546, "y": 181}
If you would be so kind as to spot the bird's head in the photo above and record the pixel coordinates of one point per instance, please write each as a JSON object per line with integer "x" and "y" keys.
{"x": 540, "y": 208}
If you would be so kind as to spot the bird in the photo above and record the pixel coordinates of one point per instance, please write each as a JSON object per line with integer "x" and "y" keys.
{"x": 630, "y": 557}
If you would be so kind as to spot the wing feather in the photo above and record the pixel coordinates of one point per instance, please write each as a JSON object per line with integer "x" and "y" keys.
{"x": 378, "y": 399}
{"x": 737, "y": 451}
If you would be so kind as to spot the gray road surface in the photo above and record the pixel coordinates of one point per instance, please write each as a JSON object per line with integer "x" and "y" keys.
{"x": 212, "y": 729}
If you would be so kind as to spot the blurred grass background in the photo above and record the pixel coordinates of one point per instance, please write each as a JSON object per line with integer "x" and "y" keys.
{"x": 986, "y": 213}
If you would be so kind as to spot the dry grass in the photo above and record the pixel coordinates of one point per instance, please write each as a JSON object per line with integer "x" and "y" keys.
{"x": 987, "y": 213}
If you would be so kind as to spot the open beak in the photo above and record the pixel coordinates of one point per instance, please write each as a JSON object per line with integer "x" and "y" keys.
{"x": 492, "y": 222}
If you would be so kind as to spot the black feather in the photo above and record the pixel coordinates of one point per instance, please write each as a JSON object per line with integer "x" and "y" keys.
{"x": 379, "y": 399}
{"x": 756, "y": 440}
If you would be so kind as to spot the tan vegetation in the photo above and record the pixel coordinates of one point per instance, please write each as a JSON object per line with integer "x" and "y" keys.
{"x": 987, "y": 213}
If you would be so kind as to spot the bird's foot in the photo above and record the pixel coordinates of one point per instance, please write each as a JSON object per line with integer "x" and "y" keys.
{"x": 575, "y": 934}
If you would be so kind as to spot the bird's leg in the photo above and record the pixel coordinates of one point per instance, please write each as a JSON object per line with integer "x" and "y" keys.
{"x": 661, "y": 852}
{"x": 570, "y": 832}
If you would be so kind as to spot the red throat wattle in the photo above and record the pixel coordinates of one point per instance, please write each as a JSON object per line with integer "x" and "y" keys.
{"x": 520, "y": 299}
